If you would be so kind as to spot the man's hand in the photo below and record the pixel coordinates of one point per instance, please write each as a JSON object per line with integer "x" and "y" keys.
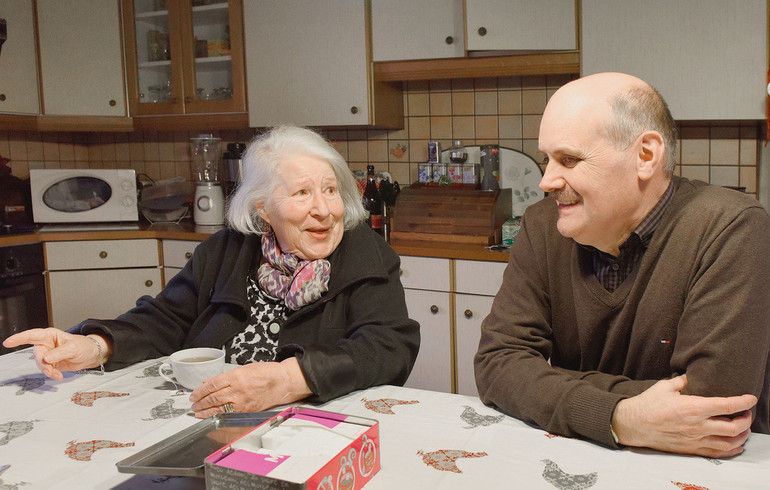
{"x": 662, "y": 418}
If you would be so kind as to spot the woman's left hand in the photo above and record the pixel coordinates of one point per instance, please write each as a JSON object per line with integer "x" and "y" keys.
{"x": 251, "y": 388}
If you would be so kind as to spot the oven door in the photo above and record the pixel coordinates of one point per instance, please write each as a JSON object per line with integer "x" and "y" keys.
{"x": 23, "y": 305}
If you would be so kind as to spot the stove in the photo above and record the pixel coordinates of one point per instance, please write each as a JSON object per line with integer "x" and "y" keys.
{"x": 17, "y": 228}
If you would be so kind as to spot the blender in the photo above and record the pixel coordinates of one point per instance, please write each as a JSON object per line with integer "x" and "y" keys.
{"x": 209, "y": 196}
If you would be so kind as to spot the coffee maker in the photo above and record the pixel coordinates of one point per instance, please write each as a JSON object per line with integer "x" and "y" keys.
{"x": 233, "y": 166}
{"x": 209, "y": 205}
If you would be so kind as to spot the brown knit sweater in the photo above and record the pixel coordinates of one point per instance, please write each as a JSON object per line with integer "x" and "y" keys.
{"x": 561, "y": 351}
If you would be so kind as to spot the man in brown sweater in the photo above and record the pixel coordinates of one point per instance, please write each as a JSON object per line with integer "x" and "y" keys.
{"x": 634, "y": 309}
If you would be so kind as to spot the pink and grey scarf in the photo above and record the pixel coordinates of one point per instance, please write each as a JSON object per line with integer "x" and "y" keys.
{"x": 284, "y": 276}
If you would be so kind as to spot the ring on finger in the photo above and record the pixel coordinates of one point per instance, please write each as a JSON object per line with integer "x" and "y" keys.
{"x": 228, "y": 407}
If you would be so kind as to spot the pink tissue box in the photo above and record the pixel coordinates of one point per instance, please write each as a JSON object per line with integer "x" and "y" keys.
{"x": 314, "y": 449}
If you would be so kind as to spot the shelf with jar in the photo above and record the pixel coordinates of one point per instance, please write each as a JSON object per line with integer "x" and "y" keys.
{"x": 185, "y": 58}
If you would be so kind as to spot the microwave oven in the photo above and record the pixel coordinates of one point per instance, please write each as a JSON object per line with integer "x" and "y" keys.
{"x": 83, "y": 195}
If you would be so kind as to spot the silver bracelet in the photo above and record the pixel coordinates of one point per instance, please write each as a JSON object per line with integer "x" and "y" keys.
{"x": 101, "y": 357}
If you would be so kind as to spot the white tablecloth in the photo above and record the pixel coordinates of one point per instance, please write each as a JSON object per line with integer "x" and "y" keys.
{"x": 70, "y": 433}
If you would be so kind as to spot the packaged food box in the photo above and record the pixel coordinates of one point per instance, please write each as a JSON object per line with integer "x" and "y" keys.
{"x": 511, "y": 229}
{"x": 299, "y": 448}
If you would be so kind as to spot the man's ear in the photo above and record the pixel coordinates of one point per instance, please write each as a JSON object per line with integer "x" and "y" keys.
{"x": 651, "y": 154}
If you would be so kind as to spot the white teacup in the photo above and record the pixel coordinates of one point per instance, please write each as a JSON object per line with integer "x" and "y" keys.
{"x": 191, "y": 367}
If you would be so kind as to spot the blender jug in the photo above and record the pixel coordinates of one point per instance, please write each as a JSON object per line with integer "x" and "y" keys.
{"x": 209, "y": 196}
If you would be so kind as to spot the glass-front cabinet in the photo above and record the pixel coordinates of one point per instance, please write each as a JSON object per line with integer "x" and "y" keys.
{"x": 184, "y": 56}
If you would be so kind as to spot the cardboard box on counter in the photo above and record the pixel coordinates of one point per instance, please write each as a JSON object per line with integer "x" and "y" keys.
{"x": 511, "y": 228}
{"x": 300, "y": 448}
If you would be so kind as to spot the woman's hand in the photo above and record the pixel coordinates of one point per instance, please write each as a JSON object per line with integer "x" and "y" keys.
{"x": 251, "y": 388}
{"x": 56, "y": 351}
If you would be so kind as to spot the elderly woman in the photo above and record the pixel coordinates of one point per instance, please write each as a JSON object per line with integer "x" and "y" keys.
{"x": 298, "y": 291}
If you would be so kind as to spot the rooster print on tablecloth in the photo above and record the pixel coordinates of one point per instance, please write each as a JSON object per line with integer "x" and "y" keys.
{"x": 165, "y": 410}
{"x": 82, "y": 451}
{"x": 565, "y": 481}
{"x": 688, "y": 486}
{"x": 14, "y": 429}
{"x": 87, "y": 398}
{"x": 10, "y": 486}
{"x": 152, "y": 371}
{"x": 475, "y": 419}
{"x": 385, "y": 405}
{"x": 26, "y": 383}
{"x": 446, "y": 459}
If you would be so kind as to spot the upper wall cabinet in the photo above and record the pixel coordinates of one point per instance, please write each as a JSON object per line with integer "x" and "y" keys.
{"x": 184, "y": 56}
{"x": 708, "y": 58}
{"x": 18, "y": 59}
{"x": 309, "y": 63}
{"x": 417, "y": 29}
{"x": 548, "y": 25}
{"x": 81, "y": 62}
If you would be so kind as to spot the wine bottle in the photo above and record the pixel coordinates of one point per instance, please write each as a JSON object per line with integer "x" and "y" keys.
{"x": 373, "y": 201}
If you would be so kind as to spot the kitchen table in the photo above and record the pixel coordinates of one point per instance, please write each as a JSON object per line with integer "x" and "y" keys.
{"x": 71, "y": 433}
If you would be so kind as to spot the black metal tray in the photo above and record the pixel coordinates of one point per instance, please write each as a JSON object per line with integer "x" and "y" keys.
{"x": 183, "y": 453}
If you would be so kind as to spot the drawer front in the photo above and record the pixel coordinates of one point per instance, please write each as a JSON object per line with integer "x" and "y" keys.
{"x": 102, "y": 254}
{"x": 176, "y": 253}
{"x": 478, "y": 277}
{"x": 425, "y": 273}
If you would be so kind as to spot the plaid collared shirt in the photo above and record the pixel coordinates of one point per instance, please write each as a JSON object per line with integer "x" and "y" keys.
{"x": 612, "y": 271}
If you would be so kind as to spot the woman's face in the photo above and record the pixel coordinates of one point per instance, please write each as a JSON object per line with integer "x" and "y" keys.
{"x": 306, "y": 210}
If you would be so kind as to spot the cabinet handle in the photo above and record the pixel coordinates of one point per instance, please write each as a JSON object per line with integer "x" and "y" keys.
{"x": 2, "y": 97}
{"x": 188, "y": 255}
{"x": 433, "y": 309}
{"x": 400, "y": 272}
{"x": 449, "y": 40}
{"x": 112, "y": 103}
{"x": 102, "y": 254}
{"x": 468, "y": 314}
{"x": 482, "y": 31}
{"x": 354, "y": 110}
{"x": 148, "y": 283}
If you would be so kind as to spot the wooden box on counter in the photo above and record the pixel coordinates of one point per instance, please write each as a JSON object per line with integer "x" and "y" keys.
{"x": 450, "y": 215}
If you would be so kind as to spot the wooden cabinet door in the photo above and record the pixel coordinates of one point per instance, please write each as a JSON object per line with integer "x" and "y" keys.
{"x": 521, "y": 25}
{"x": 18, "y": 59}
{"x": 417, "y": 29}
{"x": 81, "y": 62}
{"x": 433, "y": 368}
{"x": 470, "y": 311}
{"x": 308, "y": 63}
{"x": 708, "y": 58}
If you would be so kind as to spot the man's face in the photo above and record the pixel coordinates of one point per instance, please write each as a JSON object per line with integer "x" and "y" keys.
{"x": 595, "y": 185}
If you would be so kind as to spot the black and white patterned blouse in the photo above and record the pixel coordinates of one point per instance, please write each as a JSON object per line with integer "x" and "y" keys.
{"x": 259, "y": 341}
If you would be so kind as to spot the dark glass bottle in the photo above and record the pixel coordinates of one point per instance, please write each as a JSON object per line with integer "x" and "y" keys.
{"x": 373, "y": 201}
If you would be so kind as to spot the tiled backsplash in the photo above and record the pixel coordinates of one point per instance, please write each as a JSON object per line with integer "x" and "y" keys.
{"x": 504, "y": 111}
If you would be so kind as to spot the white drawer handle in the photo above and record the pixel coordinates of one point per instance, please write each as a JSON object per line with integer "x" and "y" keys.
{"x": 103, "y": 254}
{"x": 148, "y": 283}
{"x": 433, "y": 309}
{"x": 188, "y": 255}
{"x": 468, "y": 314}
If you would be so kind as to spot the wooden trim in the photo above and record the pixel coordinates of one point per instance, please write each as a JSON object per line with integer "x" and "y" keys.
{"x": 566, "y": 62}
{"x": 84, "y": 123}
{"x": 18, "y": 122}
{"x": 192, "y": 122}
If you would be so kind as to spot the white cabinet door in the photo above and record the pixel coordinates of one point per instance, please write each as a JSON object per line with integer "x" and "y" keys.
{"x": 81, "y": 57}
{"x": 306, "y": 62}
{"x": 708, "y": 58}
{"x": 470, "y": 311}
{"x": 478, "y": 277}
{"x": 433, "y": 368}
{"x": 78, "y": 295}
{"x": 521, "y": 24}
{"x": 417, "y": 29}
{"x": 425, "y": 273}
{"x": 101, "y": 254}
{"x": 18, "y": 59}
{"x": 176, "y": 253}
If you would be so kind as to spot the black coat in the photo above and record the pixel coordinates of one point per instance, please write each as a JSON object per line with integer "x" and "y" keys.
{"x": 356, "y": 336}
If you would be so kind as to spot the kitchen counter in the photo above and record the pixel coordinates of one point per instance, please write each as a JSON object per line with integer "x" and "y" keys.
{"x": 186, "y": 230}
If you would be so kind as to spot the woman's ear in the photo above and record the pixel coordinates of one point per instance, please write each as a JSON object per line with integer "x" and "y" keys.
{"x": 260, "y": 207}
{"x": 651, "y": 154}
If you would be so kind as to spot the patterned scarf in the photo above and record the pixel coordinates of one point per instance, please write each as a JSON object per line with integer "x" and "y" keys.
{"x": 297, "y": 282}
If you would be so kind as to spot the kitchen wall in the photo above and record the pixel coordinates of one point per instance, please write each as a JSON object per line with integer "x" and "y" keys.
{"x": 503, "y": 111}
